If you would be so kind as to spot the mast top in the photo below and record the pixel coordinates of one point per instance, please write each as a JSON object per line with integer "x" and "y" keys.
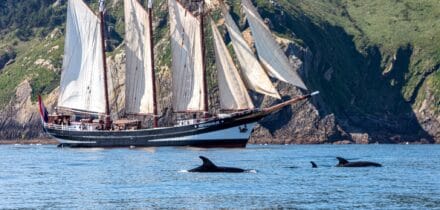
{"x": 101, "y": 5}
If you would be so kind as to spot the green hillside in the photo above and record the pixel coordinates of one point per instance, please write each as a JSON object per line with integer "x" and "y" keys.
{"x": 32, "y": 31}
{"x": 390, "y": 26}
{"x": 375, "y": 61}
{"x": 25, "y": 26}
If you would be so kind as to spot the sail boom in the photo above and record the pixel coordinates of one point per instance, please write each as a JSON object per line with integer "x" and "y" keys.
{"x": 235, "y": 110}
{"x": 78, "y": 110}
{"x": 188, "y": 111}
{"x": 139, "y": 114}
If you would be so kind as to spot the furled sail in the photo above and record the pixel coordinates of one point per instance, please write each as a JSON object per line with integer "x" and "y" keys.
{"x": 82, "y": 79}
{"x": 233, "y": 93}
{"x": 269, "y": 52}
{"x": 139, "y": 65}
{"x": 187, "y": 65}
{"x": 253, "y": 74}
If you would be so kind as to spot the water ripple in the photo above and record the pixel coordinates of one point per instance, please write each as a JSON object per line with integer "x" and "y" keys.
{"x": 41, "y": 177}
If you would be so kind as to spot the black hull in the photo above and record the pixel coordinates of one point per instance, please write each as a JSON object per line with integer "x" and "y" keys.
{"x": 231, "y": 132}
{"x": 229, "y": 143}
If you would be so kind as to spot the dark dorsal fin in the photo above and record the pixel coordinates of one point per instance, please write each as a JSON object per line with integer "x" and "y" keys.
{"x": 207, "y": 163}
{"x": 342, "y": 160}
{"x": 314, "y": 164}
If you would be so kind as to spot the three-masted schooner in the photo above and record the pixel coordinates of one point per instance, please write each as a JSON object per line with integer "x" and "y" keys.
{"x": 84, "y": 86}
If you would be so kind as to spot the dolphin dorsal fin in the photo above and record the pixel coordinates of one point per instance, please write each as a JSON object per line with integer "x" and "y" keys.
{"x": 314, "y": 164}
{"x": 342, "y": 160}
{"x": 207, "y": 163}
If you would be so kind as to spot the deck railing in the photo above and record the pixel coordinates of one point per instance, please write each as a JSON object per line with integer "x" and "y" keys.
{"x": 72, "y": 127}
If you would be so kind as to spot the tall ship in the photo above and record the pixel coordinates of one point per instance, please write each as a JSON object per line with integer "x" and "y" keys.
{"x": 83, "y": 117}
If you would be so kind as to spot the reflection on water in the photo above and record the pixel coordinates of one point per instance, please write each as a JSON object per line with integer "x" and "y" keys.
{"x": 48, "y": 177}
{"x": 147, "y": 149}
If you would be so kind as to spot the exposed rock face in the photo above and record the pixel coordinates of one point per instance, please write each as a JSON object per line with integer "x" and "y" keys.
{"x": 367, "y": 102}
{"x": 429, "y": 120}
{"x": 20, "y": 118}
{"x": 116, "y": 66}
{"x": 45, "y": 64}
{"x": 300, "y": 123}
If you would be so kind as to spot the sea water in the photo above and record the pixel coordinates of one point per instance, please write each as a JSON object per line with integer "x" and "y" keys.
{"x": 44, "y": 176}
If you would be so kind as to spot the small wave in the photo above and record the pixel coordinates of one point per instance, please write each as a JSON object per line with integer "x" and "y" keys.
{"x": 194, "y": 148}
{"x": 147, "y": 149}
{"x": 253, "y": 171}
{"x": 92, "y": 149}
{"x": 183, "y": 171}
{"x": 291, "y": 167}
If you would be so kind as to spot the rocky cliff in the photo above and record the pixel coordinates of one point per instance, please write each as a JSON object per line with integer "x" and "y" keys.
{"x": 372, "y": 90}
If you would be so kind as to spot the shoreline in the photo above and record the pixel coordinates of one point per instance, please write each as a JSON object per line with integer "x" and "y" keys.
{"x": 48, "y": 141}
{"x": 29, "y": 141}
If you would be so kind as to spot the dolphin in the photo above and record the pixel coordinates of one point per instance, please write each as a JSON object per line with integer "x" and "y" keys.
{"x": 314, "y": 164}
{"x": 209, "y": 166}
{"x": 344, "y": 163}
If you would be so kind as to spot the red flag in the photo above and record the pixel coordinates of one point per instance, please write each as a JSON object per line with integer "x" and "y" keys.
{"x": 43, "y": 112}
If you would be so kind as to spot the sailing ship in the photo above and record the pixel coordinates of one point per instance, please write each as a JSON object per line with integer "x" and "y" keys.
{"x": 84, "y": 88}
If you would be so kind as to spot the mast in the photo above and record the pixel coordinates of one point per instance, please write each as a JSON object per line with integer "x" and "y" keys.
{"x": 202, "y": 39}
{"x": 153, "y": 76}
{"x": 107, "y": 122}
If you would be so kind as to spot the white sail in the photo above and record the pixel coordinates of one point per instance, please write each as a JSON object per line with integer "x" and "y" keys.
{"x": 269, "y": 52}
{"x": 233, "y": 93}
{"x": 139, "y": 65}
{"x": 253, "y": 74}
{"x": 82, "y": 79}
{"x": 187, "y": 65}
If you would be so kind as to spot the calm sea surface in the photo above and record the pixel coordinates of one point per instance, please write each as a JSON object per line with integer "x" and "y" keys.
{"x": 33, "y": 176}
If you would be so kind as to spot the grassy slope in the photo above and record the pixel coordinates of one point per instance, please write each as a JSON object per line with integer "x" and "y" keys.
{"x": 359, "y": 40}
{"x": 40, "y": 45}
{"x": 396, "y": 23}
{"x": 42, "y": 79}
